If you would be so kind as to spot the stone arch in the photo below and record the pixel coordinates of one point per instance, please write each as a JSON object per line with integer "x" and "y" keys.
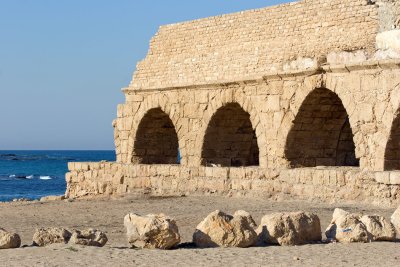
{"x": 149, "y": 102}
{"x": 392, "y": 150}
{"x": 230, "y": 139}
{"x": 321, "y": 134}
{"x": 156, "y": 141}
{"x": 220, "y": 99}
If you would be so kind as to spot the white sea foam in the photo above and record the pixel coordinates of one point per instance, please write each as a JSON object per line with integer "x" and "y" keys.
{"x": 29, "y": 177}
{"x": 12, "y": 176}
{"x": 45, "y": 178}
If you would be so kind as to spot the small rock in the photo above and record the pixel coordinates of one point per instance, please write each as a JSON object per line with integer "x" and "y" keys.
{"x": 347, "y": 228}
{"x": 47, "y": 236}
{"x": 379, "y": 228}
{"x": 289, "y": 229}
{"x": 21, "y": 200}
{"x": 89, "y": 237}
{"x": 395, "y": 219}
{"x": 221, "y": 230}
{"x": 151, "y": 231}
{"x": 52, "y": 198}
{"x": 9, "y": 240}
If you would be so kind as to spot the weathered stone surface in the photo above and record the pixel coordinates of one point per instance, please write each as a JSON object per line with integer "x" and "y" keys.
{"x": 47, "y": 236}
{"x": 221, "y": 230}
{"x": 395, "y": 219}
{"x": 248, "y": 217}
{"x": 388, "y": 40}
{"x": 288, "y": 229}
{"x": 9, "y": 240}
{"x": 153, "y": 231}
{"x": 90, "y": 237}
{"x": 379, "y": 228}
{"x": 263, "y": 106}
{"x": 52, "y": 198}
{"x": 347, "y": 228}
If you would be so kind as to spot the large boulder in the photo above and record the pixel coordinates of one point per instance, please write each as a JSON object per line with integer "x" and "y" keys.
{"x": 89, "y": 237}
{"x": 151, "y": 231}
{"x": 347, "y": 228}
{"x": 221, "y": 230}
{"x": 379, "y": 228}
{"x": 9, "y": 240}
{"x": 395, "y": 219}
{"x": 46, "y": 236}
{"x": 289, "y": 229}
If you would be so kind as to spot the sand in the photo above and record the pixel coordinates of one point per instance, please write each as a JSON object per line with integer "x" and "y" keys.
{"x": 107, "y": 215}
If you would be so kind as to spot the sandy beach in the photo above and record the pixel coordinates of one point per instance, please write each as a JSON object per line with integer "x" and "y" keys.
{"x": 107, "y": 215}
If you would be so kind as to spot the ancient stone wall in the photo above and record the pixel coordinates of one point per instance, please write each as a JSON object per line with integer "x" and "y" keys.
{"x": 340, "y": 115}
{"x": 299, "y": 99}
{"x": 319, "y": 184}
{"x": 249, "y": 44}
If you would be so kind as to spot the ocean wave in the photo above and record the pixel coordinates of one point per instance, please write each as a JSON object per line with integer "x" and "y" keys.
{"x": 25, "y": 157}
{"x": 6, "y": 177}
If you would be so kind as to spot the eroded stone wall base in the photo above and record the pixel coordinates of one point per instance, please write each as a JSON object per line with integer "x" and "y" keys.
{"x": 329, "y": 184}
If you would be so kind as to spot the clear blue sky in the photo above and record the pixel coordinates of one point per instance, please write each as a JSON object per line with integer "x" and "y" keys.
{"x": 63, "y": 63}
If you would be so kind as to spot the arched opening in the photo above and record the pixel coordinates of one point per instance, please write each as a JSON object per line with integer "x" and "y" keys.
{"x": 156, "y": 140}
{"x": 230, "y": 139}
{"x": 392, "y": 152}
{"x": 321, "y": 134}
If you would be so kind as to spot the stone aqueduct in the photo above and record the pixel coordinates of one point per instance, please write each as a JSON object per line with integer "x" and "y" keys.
{"x": 299, "y": 100}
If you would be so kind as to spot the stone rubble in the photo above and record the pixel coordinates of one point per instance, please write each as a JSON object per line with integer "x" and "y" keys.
{"x": 379, "y": 228}
{"x": 9, "y": 240}
{"x": 47, "y": 236}
{"x": 289, "y": 229}
{"x": 395, "y": 219}
{"x": 90, "y": 237}
{"x": 347, "y": 228}
{"x": 221, "y": 230}
{"x": 153, "y": 231}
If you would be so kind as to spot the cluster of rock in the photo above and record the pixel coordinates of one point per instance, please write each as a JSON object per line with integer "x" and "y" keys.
{"x": 158, "y": 231}
{"x": 47, "y": 236}
{"x": 347, "y": 227}
{"x": 240, "y": 230}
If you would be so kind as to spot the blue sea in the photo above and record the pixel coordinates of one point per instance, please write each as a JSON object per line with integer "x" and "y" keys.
{"x": 34, "y": 174}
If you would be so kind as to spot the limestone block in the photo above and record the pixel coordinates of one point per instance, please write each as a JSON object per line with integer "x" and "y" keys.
{"x": 337, "y": 58}
{"x": 9, "y": 240}
{"x": 388, "y": 40}
{"x": 347, "y": 228}
{"x": 90, "y": 237}
{"x": 134, "y": 98}
{"x": 395, "y": 178}
{"x": 47, "y": 236}
{"x": 382, "y": 177}
{"x": 151, "y": 231}
{"x": 221, "y": 230}
{"x": 395, "y": 219}
{"x": 52, "y": 198}
{"x": 379, "y": 228}
{"x": 288, "y": 229}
